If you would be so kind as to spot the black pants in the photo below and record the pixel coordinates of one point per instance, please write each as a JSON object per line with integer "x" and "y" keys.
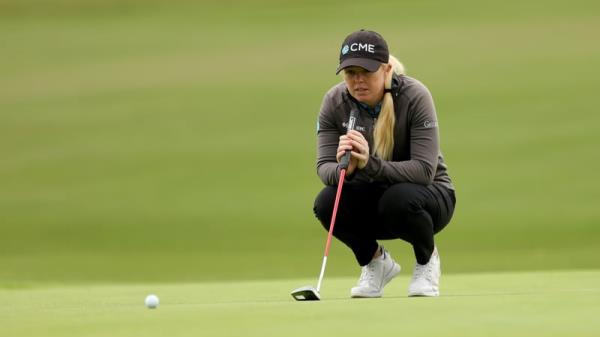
{"x": 370, "y": 212}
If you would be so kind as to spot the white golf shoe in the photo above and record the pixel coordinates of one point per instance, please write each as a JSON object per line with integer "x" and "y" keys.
{"x": 426, "y": 278}
{"x": 375, "y": 276}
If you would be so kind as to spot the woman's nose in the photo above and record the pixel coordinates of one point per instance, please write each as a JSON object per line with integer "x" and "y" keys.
{"x": 358, "y": 77}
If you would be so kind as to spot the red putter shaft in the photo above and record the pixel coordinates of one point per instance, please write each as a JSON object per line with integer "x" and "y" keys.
{"x": 335, "y": 207}
{"x": 331, "y": 225}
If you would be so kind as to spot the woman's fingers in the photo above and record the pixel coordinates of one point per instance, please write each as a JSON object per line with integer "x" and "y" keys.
{"x": 343, "y": 148}
{"x": 359, "y": 147}
{"x": 355, "y": 142}
{"x": 359, "y": 156}
{"x": 361, "y": 159}
{"x": 355, "y": 135}
{"x": 358, "y": 138}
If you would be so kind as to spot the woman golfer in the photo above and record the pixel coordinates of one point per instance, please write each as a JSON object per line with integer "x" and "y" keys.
{"x": 397, "y": 184}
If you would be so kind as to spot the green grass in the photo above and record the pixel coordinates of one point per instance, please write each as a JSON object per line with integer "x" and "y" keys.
{"x": 169, "y": 148}
{"x": 181, "y": 136}
{"x": 551, "y": 303}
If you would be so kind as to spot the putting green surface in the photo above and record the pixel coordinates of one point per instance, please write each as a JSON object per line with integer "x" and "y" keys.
{"x": 550, "y": 303}
{"x": 149, "y": 146}
{"x": 137, "y": 135}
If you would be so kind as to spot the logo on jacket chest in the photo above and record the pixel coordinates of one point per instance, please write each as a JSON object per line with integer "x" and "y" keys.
{"x": 356, "y": 127}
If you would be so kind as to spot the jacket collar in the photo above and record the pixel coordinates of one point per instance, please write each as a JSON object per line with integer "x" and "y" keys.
{"x": 397, "y": 84}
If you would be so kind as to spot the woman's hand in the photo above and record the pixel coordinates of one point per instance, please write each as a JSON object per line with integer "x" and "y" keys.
{"x": 359, "y": 147}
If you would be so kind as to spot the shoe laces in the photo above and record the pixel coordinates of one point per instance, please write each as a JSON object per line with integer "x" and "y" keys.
{"x": 367, "y": 274}
{"x": 423, "y": 271}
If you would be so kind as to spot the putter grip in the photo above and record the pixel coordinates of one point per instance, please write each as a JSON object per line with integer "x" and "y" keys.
{"x": 351, "y": 124}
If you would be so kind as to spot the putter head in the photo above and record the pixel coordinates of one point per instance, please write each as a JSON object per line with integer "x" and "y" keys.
{"x": 307, "y": 293}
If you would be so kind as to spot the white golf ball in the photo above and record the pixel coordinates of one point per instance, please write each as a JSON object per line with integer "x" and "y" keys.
{"x": 151, "y": 301}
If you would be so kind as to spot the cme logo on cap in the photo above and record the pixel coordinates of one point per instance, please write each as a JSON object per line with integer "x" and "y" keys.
{"x": 357, "y": 46}
{"x": 345, "y": 50}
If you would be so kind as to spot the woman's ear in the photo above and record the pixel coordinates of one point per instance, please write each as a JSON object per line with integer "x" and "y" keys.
{"x": 387, "y": 67}
{"x": 388, "y": 70}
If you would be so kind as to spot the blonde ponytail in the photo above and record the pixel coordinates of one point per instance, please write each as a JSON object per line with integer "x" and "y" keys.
{"x": 384, "y": 128}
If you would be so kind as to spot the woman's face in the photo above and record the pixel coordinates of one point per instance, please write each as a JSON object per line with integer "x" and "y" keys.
{"x": 367, "y": 87}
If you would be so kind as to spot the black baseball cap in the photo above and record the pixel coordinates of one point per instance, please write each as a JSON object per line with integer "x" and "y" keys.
{"x": 365, "y": 49}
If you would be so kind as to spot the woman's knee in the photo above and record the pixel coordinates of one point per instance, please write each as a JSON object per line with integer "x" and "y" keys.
{"x": 401, "y": 199}
{"x": 323, "y": 206}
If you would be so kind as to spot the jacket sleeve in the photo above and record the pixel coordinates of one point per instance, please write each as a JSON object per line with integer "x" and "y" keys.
{"x": 328, "y": 137}
{"x": 424, "y": 147}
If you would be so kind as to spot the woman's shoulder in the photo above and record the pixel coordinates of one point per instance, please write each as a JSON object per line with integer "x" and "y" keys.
{"x": 412, "y": 87}
{"x": 337, "y": 91}
{"x": 335, "y": 96}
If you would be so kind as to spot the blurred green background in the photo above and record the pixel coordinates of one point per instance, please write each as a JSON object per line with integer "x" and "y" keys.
{"x": 175, "y": 141}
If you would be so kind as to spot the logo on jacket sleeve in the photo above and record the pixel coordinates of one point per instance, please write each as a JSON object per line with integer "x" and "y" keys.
{"x": 430, "y": 124}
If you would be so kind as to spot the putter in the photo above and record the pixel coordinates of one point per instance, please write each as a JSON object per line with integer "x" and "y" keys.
{"x": 309, "y": 293}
